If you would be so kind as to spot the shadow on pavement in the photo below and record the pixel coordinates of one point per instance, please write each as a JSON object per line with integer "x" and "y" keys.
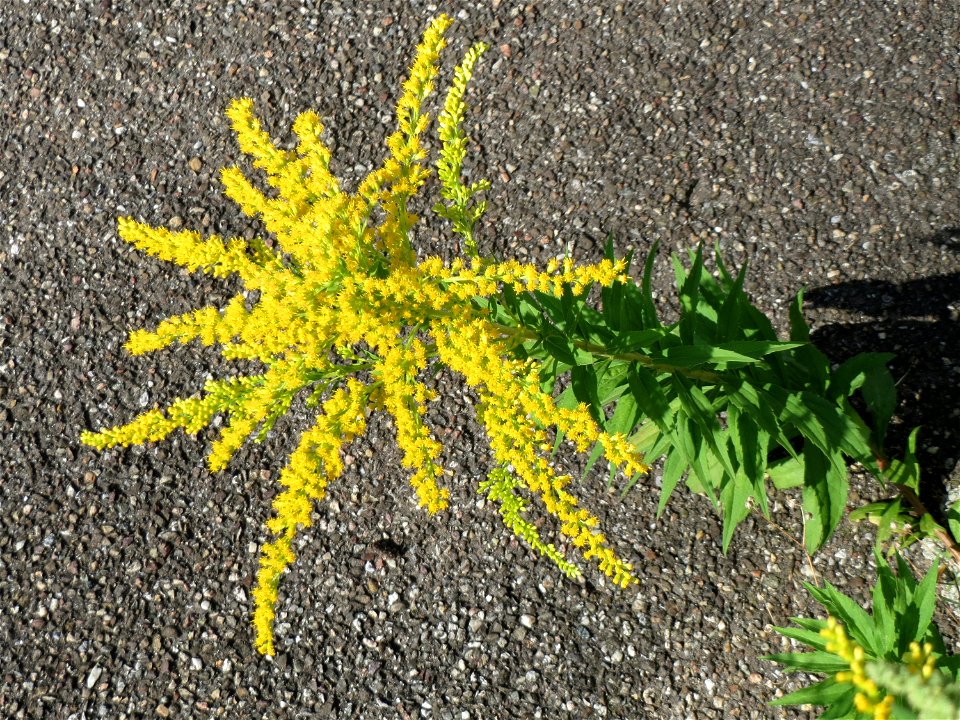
{"x": 919, "y": 321}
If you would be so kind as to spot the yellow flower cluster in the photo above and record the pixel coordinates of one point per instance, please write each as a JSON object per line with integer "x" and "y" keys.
{"x": 920, "y": 660}
{"x": 869, "y": 698}
{"x": 343, "y": 294}
{"x": 515, "y": 412}
{"x": 501, "y": 486}
{"x": 452, "y": 154}
{"x": 314, "y": 463}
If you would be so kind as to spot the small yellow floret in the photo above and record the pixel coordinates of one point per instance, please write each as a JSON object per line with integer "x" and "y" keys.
{"x": 869, "y": 697}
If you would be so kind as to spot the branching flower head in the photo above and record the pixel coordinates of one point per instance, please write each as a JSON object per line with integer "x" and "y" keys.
{"x": 346, "y": 314}
{"x": 869, "y": 699}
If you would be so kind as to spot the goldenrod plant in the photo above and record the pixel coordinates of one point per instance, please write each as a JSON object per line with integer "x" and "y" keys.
{"x": 891, "y": 663}
{"x": 347, "y": 314}
{"x": 339, "y": 309}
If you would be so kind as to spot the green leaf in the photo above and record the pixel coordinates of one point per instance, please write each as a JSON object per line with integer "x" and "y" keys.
{"x": 689, "y": 287}
{"x": 726, "y": 278}
{"x": 869, "y": 373}
{"x": 906, "y": 581}
{"x": 625, "y": 416}
{"x": 650, "y": 397}
{"x": 611, "y": 297}
{"x": 928, "y": 526}
{"x": 758, "y": 320}
{"x": 857, "y": 621}
{"x": 826, "y": 692}
{"x": 953, "y": 521}
{"x": 661, "y": 447}
{"x": 843, "y": 708}
{"x": 750, "y": 445}
{"x": 561, "y": 348}
{"x": 741, "y": 351}
{"x": 787, "y": 473}
{"x": 583, "y": 380}
{"x": 648, "y": 310}
{"x": 567, "y": 399}
{"x": 729, "y": 316}
{"x": 509, "y": 297}
{"x": 890, "y": 515}
{"x": 824, "y": 495}
{"x": 737, "y": 424}
{"x": 548, "y": 375}
{"x": 799, "y": 330}
{"x": 872, "y": 511}
{"x": 813, "y": 362}
{"x": 812, "y": 662}
{"x": 611, "y": 380}
{"x": 829, "y": 426}
{"x": 699, "y": 408}
{"x": 924, "y": 600}
{"x": 733, "y": 502}
{"x": 646, "y": 437}
{"x": 761, "y": 406}
{"x": 568, "y": 306}
{"x": 760, "y": 479}
{"x": 673, "y": 469}
{"x": 906, "y": 472}
{"x": 758, "y": 349}
{"x": 799, "y": 414}
{"x": 551, "y": 307}
{"x": 639, "y": 340}
{"x": 629, "y": 306}
{"x": 852, "y": 373}
{"x": 811, "y": 637}
{"x": 813, "y": 624}
{"x": 884, "y": 606}
{"x": 590, "y": 324}
{"x": 690, "y": 443}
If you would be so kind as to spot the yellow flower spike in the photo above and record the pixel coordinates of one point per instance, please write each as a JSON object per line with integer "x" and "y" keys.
{"x": 420, "y": 450}
{"x": 869, "y": 698}
{"x": 453, "y": 151}
{"x": 920, "y": 660}
{"x": 514, "y": 408}
{"x": 275, "y": 558}
{"x": 211, "y": 255}
{"x": 315, "y": 462}
{"x": 884, "y": 709}
{"x": 277, "y": 216}
{"x": 312, "y": 171}
{"x": 255, "y": 142}
{"x": 862, "y": 703}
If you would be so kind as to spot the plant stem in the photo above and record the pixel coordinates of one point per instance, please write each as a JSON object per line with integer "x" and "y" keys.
{"x": 594, "y": 349}
{"x": 920, "y": 509}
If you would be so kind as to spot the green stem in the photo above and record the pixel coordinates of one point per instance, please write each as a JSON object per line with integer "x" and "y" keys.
{"x": 645, "y": 360}
{"x": 919, "y": 509}
{"x": 337, "y": 371}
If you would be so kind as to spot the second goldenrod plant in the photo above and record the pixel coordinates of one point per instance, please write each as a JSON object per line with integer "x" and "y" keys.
{"x": 888, "y": 663}
{"x": 347, "y": 314}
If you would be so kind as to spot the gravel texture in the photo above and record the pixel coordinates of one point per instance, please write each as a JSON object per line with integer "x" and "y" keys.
{"x": 816, "y": 140}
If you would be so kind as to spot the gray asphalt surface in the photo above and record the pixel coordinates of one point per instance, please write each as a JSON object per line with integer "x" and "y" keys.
{"x": 816, "y": 140}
